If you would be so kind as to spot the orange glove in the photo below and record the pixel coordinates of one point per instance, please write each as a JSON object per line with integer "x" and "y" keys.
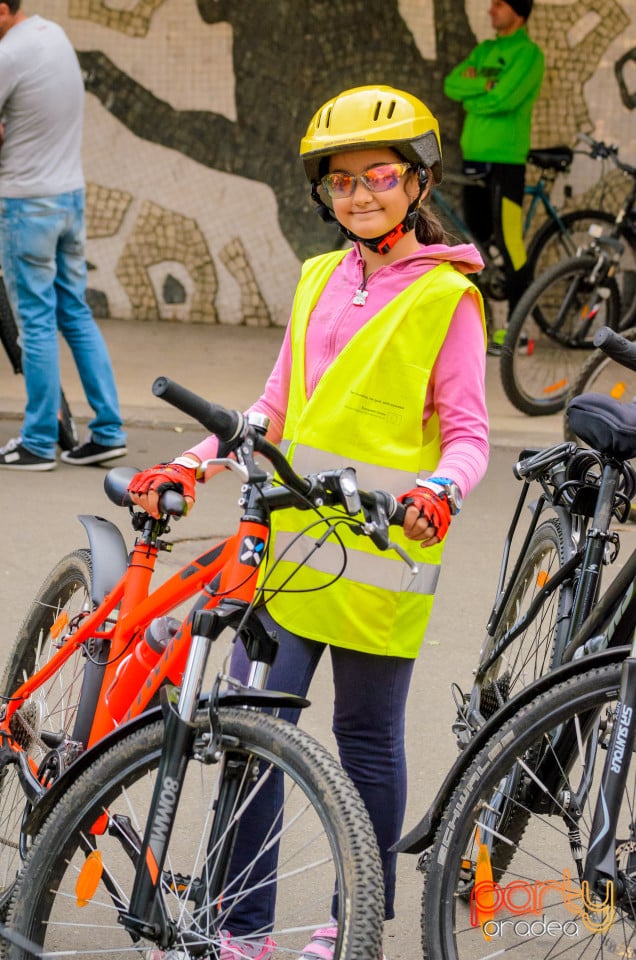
{"x": 148, "y": 485}
{"x": 435, "y": 510}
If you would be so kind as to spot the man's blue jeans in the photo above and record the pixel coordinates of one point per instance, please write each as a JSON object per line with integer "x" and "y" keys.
{"x": 42, "y": 251}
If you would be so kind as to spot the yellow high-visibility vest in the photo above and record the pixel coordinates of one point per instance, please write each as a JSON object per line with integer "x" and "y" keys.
{"x": 366, "y": 412}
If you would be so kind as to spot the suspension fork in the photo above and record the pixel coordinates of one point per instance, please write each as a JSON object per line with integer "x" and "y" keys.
{"x": 600, "y": 866}
{"x": 146, "y": 916}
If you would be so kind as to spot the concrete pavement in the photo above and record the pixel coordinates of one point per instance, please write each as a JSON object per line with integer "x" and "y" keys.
{"x": 228, "y": 365}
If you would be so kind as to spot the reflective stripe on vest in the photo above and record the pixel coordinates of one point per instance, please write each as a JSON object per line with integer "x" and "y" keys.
{"x": 366, "y": 411}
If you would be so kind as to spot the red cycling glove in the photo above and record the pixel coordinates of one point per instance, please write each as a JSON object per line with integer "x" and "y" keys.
{"x": 435, "y": 509}
{"x": 165, "y": 476}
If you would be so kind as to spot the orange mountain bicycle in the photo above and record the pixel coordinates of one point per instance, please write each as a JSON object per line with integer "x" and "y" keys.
{"x": 94, "y": 652}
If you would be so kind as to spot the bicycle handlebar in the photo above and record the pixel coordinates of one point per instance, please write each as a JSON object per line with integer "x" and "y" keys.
{"x": 225, "y": 424}
{"x": 232, "y": 428}
{"x": 616, "y": 347}
{"x": 603, "y": 151}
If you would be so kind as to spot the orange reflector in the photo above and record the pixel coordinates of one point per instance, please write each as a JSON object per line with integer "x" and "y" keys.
{"x": 542, "y": 578}
{"x": 618, "y": 390}
{"x": 61, "y": 623}
{"x": 483, "y": 901}
{"x": 555, "y": 386}
{"x": 89, "y": 877}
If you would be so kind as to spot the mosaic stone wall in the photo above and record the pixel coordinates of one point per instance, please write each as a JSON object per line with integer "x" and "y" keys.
{"x": 197, "y": 206}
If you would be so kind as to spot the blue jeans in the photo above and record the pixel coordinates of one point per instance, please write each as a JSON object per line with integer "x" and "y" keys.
{"x": 42, "y": 251}
{"x": 368, "y": 724}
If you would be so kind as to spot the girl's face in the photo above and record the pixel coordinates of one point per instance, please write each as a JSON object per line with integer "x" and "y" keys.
{"x": 367, "y": 213}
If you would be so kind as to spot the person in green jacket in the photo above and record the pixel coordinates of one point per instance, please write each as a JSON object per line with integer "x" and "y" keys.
{"x": 497, "y": 84}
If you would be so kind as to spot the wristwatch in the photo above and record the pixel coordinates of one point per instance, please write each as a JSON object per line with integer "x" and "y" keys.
{"x": 444, "y": 487}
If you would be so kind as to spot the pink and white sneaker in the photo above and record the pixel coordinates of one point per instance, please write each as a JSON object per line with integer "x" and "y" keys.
{"x": 233, "y": 948}
{"x": 323, "y": 944}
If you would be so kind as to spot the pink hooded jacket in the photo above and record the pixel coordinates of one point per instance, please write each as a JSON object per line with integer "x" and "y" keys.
{"x": 457, "y": 386}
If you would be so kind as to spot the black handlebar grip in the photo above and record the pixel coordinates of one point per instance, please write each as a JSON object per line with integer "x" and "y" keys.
{"x": 616, "y": 347}
{"x": 398, "y": 515}
{"x": 226, "y": 424}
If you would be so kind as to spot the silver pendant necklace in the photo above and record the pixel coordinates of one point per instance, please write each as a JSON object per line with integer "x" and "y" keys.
{"x": 361, "y": 294}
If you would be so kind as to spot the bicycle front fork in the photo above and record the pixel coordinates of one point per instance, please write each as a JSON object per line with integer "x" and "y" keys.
{"x": 602, "y": 874}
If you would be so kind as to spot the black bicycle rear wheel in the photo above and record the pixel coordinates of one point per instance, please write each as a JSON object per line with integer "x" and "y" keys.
{"x": 551, "y": 333}
{"x": 553, "y": 751}
{"x": 322, "y": 830}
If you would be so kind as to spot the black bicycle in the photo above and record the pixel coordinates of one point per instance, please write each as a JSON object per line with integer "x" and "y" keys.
{"x": 551, "y": 329}
{"x": 560, "y": 234}
{"x": 68, "y": 437}
{"x": 534, "y": 853}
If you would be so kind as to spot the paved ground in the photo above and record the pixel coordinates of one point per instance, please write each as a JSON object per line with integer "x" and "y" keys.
{"x": 230, "y": 365}
{"x": 226, "y": 364}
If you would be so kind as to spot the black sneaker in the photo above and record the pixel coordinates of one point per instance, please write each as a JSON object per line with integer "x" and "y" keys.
{"x": 13, "y": 456}
{"x": 91, "y": 452}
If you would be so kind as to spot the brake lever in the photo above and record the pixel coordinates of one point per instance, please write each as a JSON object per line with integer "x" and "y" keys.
{"x": 376, "y": 527}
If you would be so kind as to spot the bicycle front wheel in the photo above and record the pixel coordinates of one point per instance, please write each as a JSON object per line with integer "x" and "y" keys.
{"x": 325, "y": 840}
{"x": 601, "y": 374}
{"x": 551, "y": 331}
{"x": 45, "y": 721}
{"x": 547, "y": 762}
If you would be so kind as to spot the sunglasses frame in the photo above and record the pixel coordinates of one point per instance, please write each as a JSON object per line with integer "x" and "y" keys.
{"x": 362, "y": 178}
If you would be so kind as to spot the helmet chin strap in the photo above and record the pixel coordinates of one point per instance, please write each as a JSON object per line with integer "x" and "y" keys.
{"x": 386, "y": 241}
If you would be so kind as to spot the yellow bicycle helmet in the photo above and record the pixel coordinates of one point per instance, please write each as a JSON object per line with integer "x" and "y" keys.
{"x": 373, "y": 116}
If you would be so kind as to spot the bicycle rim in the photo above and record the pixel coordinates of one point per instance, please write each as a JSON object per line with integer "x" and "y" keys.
{"x": 536, "y": 909}
{"x": 47, "y": 718}
{"x": 601, "y": 374}
{"x": 323, "y": 832}
{"x": 551, "y": 333}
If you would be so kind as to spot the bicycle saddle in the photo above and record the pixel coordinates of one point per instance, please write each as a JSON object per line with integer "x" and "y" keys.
{"x": 551, "y": 158}
{"x": 605, "y": 424}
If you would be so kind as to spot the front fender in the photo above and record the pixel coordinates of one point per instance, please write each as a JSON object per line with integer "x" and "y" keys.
{"x": 109, "y": 555}
{"x": 423, "y": 834}
{"x": 235, "y": 697}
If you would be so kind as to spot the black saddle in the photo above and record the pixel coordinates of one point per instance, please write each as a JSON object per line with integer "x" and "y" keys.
{"x": 551, "y": 158}
{"x": 604, "y": 424}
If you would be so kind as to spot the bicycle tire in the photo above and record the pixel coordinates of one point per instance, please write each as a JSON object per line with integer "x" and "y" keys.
{"x": 545, "y": 344}
{"x": 338, "y": 841}
{"x": 67, "y": 435}
{"x": 525, "y": 744}
{"x": 50, "y": 713}
{"x": 601, "y": 374}
{"x": 533, "y": 653}
{"x": 9, "y": 330}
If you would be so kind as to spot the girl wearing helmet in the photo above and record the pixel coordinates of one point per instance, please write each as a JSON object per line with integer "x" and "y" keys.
{"x": 382, "y": 368}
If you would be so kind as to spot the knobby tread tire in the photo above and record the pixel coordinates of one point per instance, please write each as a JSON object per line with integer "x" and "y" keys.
{"x": 326, "y": 786}
{"x": 584, "y": 693}
{"x": 535, "y": 404}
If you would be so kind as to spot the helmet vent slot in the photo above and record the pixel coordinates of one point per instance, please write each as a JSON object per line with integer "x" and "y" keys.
{"x": 328, "y": 117}
{"x": 378, "y": 108}
{"x": 392, "y": 107}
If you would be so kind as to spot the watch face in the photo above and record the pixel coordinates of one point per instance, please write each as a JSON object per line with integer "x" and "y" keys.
{"x": 454, "y": 497}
